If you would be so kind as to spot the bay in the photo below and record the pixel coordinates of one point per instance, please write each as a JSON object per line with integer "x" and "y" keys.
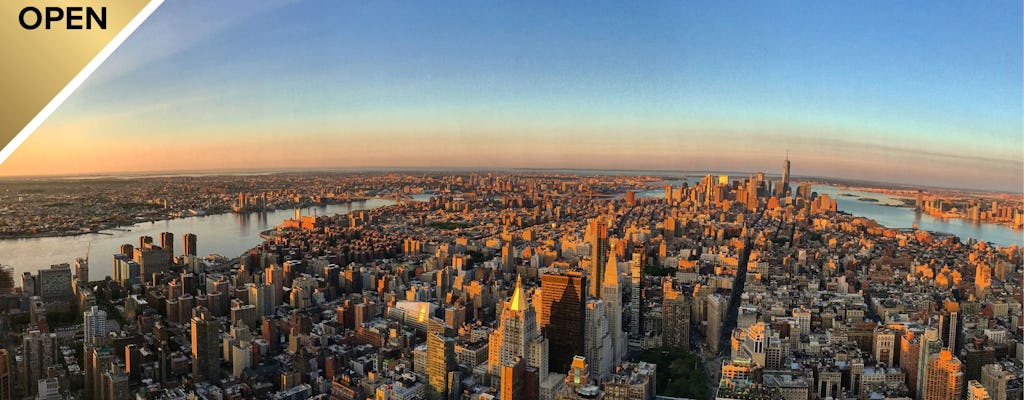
{"x": 228, "y": 234}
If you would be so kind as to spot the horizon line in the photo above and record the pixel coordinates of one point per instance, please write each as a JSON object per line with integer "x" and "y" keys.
{"x": 285, "y": 170}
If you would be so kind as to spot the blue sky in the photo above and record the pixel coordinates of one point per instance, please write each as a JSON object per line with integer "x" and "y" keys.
{"x": 915, "y": 92}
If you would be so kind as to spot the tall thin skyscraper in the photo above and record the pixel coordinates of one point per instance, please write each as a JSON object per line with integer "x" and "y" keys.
{"x": 597, "y": 231}
{"x": 636, "y": 329}
{"x": 785, "y": 174}
{"x": 611, "y": 294}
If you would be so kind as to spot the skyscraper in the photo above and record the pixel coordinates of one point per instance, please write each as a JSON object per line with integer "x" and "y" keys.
{"x": 82, "y": 271}
{"x": 785, "y": 175}
{"x": 517, "y": 336}
{"x": 675, "y": 309}
{"x": 943, "y": 378}
{"x": 440, "y": 357}
{"x": 94, "y": 321}
{"x": 38, "y": 352}
{"x": 562, "y": 315}
{"x": 517, "y": 382}
{"x": 190, "y": 240}
{"x": 167, "y": 243}
{"x": 611, "y": 294}
{"x": 6, "y": 385}
{"x": 597, "y": 341}
{"x": 636, "y": 329}
{"x": 716, "y": 309}
{"x": 597, "y": 232}
{"x": 206, "y": 352}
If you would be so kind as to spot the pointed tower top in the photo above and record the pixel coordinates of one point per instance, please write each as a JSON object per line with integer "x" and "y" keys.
{"x": 611, "y": 270}
{"x": 518, "y": 301}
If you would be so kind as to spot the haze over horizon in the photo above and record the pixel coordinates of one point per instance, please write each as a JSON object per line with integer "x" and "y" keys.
{"x": 878, "y": 92}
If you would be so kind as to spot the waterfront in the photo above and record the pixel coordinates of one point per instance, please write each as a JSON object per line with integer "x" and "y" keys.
{"x": 886, "y": 211}
{"x": 226, "y": 234}
{"x": 232, "y": 234}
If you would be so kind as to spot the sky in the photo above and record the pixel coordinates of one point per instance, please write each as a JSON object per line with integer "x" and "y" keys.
{"x": 927, "y": 93}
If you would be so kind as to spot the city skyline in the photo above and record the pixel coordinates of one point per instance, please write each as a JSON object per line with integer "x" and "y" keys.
{"x": 873, "y": 92}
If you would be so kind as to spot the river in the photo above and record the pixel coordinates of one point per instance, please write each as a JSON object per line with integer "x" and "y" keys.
{"x": 232, "y": 234}
{"x": 886, "y": 211}
{"x": 228, "y": 234}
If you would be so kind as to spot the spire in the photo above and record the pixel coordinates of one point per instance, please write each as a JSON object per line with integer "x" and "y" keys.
{"x": 611, "y": 270}
{"x": 518, "y": 301}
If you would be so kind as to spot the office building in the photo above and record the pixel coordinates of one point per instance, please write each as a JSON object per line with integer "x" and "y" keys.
{"x": 206, "y": 352}
{"x": 518, "y": 335}
{"x": 944, "y": 378}
{"x": 190, "y": 240}
{"x": 597, "y": 233}
{"x": 562, "y": 315}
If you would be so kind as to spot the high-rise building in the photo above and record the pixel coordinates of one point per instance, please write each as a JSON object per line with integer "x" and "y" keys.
{"x": 597, "y": 233}
{"x": 975, "y": 356}
{"x": 82, "y": 271}
{"x": 6, "y": 383}
{"x": 636, "y": 323}
{"x": 206, "y": 352}
{"x": 39, "y": 351}
{"x": 597, "y": 341}
{"x": 884, "y": 345}
{"x": 518, "y": 336}
{"x": 274, "y": 277}
{"x": 950, "y": 325}
{"x": 507, "y": 261}
{"x": 944, "y": 378}
{"x": 54, "y": 283}
{"x": 167, "y": 243}
{"x": 562, "y": 315}
{"x": 190, "y": 240}
{"x": 675, "y": 311}
{"x": 97, "y": 360}
{"x": 716, "y": 311}
{"x": 440, "y": 358}
{"x": 518, "y": 381}
{"x": 152, "y": 260}
{"x": 996, "y": 381}
{"x": 6, "y": 280}
{"x": 114, "y": 383}
{"x": 785, "y": 175}
{"x": 611, "y": 295}
{"x": 94, "y": 321}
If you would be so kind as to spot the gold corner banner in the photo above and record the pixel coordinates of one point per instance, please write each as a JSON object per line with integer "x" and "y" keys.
{"x": 49, "y": 47}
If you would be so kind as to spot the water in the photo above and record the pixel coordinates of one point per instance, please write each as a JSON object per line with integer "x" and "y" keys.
{"x": 889, "y": 212}
{"x": 885, "y": 213}
{"x": 229, "y": 235}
